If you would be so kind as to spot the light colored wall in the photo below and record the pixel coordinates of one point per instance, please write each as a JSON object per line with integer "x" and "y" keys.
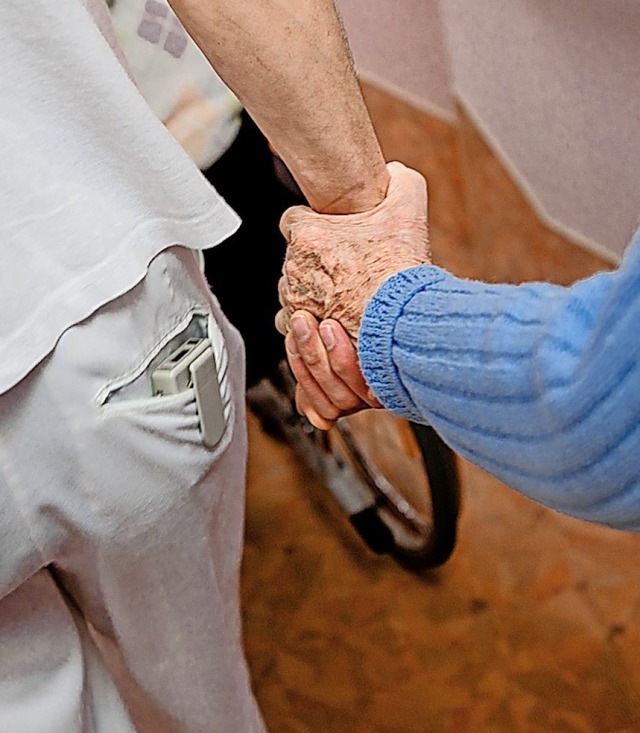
{"x": 554, "y": 85}
{"x": 556, "y": 88}
{"x": 398, "y": 44}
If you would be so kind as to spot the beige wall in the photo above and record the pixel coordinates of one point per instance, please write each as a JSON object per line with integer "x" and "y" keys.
{"x": 399, "y": 45}
{"x": 554, "y": 86}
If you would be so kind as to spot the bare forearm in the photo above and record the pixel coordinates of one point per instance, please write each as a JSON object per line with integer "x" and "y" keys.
{"x": 289, "y": 64}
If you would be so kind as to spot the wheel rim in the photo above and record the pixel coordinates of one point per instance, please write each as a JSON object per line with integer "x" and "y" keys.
{"x": 384, "y": 449}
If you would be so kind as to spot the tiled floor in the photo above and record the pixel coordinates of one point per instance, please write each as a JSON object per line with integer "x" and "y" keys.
{"x": 534, "y": 623}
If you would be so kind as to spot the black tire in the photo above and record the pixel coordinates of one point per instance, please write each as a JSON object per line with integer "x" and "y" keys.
{"x": 395, "y": 480}
{"x": 418, "y": 530}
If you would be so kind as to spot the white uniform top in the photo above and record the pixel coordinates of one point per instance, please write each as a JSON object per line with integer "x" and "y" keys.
{"x": 92, "y": 186}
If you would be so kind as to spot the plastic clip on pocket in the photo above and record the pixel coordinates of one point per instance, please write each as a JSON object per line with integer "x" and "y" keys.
{"x": 193, "y": 364}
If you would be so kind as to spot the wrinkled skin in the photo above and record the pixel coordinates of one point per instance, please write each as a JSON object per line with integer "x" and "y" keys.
{"x": 335, "y": 263}
{"x": 325, "y": 364}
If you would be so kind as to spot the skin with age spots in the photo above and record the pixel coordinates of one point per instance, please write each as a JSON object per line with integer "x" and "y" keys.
{"x": 334, "y": 264}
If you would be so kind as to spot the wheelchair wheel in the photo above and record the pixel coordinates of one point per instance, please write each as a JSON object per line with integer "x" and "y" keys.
{"x": 413, "y": 482}
{"x": 395, "y": 480}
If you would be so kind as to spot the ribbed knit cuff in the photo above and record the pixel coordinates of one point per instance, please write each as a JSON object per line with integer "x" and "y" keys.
{"x": 375, "y": 340}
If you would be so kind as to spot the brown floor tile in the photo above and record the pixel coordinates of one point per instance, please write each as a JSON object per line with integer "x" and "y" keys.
{"x": 508, "y": 636}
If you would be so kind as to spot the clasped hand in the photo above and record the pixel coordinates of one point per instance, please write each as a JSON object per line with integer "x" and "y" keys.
{"x": 333, "y": 266}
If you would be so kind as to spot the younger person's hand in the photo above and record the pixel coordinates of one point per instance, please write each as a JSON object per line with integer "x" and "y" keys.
{"x": 324, "y": 362}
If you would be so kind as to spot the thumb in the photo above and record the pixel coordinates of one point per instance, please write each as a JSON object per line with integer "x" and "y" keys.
{"x": 292, "y": 217}
{"x": 407, "y": 186}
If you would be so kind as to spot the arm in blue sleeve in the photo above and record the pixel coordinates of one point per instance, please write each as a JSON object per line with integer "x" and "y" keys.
{"x": 536, "y": 383}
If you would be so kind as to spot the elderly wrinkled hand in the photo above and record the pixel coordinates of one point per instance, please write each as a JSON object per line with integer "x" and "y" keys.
{"x": 324, "y": 362}
{"x": 335, "y": 263}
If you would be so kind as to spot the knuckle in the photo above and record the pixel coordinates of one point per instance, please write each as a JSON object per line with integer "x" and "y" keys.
{"x": 331, "y": 412}
{"x": 349, "y": 403}
{"x": 344, "y": 365}
{"x": 311, "y": 359}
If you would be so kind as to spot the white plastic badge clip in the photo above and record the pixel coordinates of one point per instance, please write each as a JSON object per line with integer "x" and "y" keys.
{"x": 193, "y": 364}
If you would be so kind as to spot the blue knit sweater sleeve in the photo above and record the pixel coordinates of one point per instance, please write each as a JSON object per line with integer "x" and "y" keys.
{"x": 538, "y": 384}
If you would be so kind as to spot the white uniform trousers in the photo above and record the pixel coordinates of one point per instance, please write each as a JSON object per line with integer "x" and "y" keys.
{"x": 120, "y": 531}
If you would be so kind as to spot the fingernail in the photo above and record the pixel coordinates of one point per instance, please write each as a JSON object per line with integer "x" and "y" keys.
{"x": 290, "y": 345}
{"x": 327, "y": 336}
{"x": 300, "y": 328}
